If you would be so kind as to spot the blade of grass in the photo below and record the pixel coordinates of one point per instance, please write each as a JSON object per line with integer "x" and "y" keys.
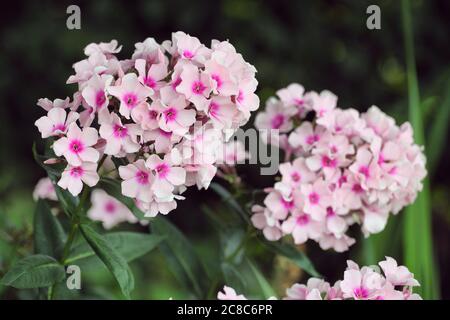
{"x": 417, "y": 240}
{"x": 437, "y": 138}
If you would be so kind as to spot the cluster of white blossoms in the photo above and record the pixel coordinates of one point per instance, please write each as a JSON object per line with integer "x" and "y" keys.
{"x": 165, "y": 115}
{"x": 342, "y": 168}
{"x": 366, "y": 283}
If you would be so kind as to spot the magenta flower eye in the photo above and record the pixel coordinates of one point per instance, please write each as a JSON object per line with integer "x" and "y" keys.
{"x": 76, "y": 146}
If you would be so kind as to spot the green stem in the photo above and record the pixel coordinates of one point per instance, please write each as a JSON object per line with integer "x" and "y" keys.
{"x": 71, "y": 237}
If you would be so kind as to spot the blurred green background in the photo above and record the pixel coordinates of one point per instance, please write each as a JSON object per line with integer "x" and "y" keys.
{"x": 320, "y": 44}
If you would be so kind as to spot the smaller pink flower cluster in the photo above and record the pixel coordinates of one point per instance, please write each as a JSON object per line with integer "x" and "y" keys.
{"x": 166, "y": 113}
{"x": 366, "y": 283}
{"x": 347, "y": 168}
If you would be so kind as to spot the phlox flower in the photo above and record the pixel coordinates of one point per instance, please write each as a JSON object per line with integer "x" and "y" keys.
{"x": 76, "y": 147}
{"x": 231, "y": 153}
{"x": 275, "y": 116}
{"x": 323, "y": 103}
{"x": 302, "y": 227}
{"x": 318, "y": 198}
{"x": 296, "y": 173}
{"x": 130, "y": 92}
{"x": 108, "y": 210}
{"x": 152, "y": 77}
{"x": 305, "y": 136}
{"x": 195, "y": 86}
{"x": 120, "y": 139}
{"x": 149, "y": 50}
{"x": 107, "y": 48}
{"x": 56, "y": 122}
{"x": 47, "y": 104}
{"x": 147, "y": 115}
{"x": 222, "y": 82}
{"x": 137, "y": 181}
{"x": 44, "y": 189}
{"x": 358, "y": 284}
{"x": 94, "y": 92}
{"x": 263, "y": 219}
{"x": 190, "y": 48}
{"x": 72, "y": 177}
{"x": 361, "y": 284}
{"x": 229, "y": 294}
{"x": 221, "y": 111}
{"x": 293, "y": 95}
{"x": 167, "y": 175}
{"x": 397, "y": 275}
{"x": 315, "y": 289}
{"x": 174, "y": 117}
{"x": 246, "y": 99}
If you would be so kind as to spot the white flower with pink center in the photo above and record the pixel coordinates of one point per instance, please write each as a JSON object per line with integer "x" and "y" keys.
{"x": 44, "y": 189}
{"x": 107, "y": 48}
{"x": 76, "y": 147}
{"x": 120, "y": 139}
{"x": 397, "y": 275}
{"x": 279, "y": 205}
{"x": 358, "y": 284}
{"x": 95, "y": 91}
{"x": 190, "y": 48}
{"x": 221, "y": 111}
{"x": 137, "y": 181}
{"x": 146, "y": 115}
{"x": 293, "y": 95}
{"x": 108, "y": 210}
{"x": 163, "y": 140}
{"x": 195, "y": 86}
{"x": 246, "y": 99}
{"x": 56, "y": 122}
{"x": 72, "y": 177}
{"x": 361, "y": 284}
{"x": 229, "y": 294}
{"x": 323, "y": 103}
{"x": 130, "y": 92}
{"x": 151, "y": 75}
{"x": 275, "y": 116}
{"x": 318, "y": 198}
{"x": 222, "y": 81}
{"x": 175, "y": 117}
{"x": 177, "y": 97}
{"x": 167, "y": 175}
{"x": 305, "y": 136}
{"x": 262, "y": 219}
{"x": 296, "y": 173}
{"x": 47, "y": 104}
{"x": 302, "y": 227}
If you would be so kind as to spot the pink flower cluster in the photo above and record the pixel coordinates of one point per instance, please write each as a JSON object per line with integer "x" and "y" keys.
{"x": 366, "y": 283}
{"x": 166, "y": 112}
{"x": 343, "y": 168}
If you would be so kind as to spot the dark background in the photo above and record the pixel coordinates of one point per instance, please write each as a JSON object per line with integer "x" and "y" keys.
{"x": 320, "y": 44}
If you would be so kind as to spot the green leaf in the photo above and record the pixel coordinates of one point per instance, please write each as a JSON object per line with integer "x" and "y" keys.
{"x": 49, "y": 236}
{"x": 266, "y": 288}
{"x": 418, "y": 242}
{"x": 34, "y": 272}
{"x": 113, "y": 188}
{"x": 130, "y": 245}
{"x": 233, "y": 277}
{"x": 181, "y": 257}
{"x": 230, "y": 201}
{"x": 116, "y": 264}
{"x": 68, "y": 202}
{"x": 289, "y": 251}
